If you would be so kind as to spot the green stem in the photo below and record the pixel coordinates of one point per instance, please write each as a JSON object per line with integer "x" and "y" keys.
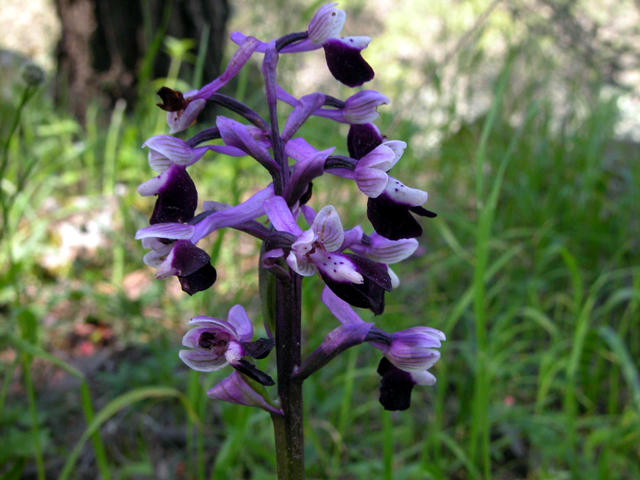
{"x": 31, "y": 397}
{"x": 96, "y": 440}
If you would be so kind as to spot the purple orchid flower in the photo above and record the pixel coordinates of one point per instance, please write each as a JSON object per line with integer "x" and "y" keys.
{"x": 408, "y": 354}
{"x": 359, "y": 108}
{"x": 390, "y": 202}
{"x": 183, "y": 110}
{"x": 173, "y": 245}
{"x": 213, "y": 344}
{"x": 343, "y": 54}
{"x": 374, "y": 246}
{"x": 173, "y": 253}
{"x": 357, "y": 280}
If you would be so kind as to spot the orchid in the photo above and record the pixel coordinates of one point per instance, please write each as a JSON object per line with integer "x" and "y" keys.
{"x": 408, "y": 354}
{"x": 343, "y": 54}
{"x": 354, "y": 266}
{"x": 216, "y": 343}
{"x": 356, "y": 279}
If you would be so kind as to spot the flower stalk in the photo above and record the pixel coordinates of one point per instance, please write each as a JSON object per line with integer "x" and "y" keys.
{"x": 288, "y": 428}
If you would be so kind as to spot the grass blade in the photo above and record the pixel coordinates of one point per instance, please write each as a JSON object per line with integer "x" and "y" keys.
{"x": 114, "y": 406}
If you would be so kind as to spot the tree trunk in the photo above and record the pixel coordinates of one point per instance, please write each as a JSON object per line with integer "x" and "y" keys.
{"x": 103, "y": 43}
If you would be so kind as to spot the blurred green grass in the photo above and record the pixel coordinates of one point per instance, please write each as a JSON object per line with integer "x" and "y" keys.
{"x": 531, "y": 269}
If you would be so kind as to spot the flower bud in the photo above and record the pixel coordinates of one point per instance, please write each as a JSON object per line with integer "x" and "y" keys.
{"x": 33, "y": 75}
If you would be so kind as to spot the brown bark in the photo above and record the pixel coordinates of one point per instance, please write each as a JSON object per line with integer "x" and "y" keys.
{"x": 103, "y": 44}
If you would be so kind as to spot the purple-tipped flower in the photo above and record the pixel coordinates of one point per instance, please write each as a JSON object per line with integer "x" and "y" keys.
{"x": 173, "y": 253}
{"x": 213, "y": 344}
{"x": 413, "y": 349}
{"x": 236, "y": 388}
{"x": 343, "y": 54}
{"x": 408, "y": 354}
{"x": 357, "y": 280}
{"x": 390, "y": 213}
{"x": 390, "y": 203}
{"x": 177, "y": 195}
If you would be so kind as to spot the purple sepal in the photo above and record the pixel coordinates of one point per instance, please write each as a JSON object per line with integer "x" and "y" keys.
{"x": 301, "y": 112}
{"x": 200, "y": 280}
{"x": 242, "y": 391}
{"x": 280, "y": 216}
{"x": 339, "y": 308}
{"x": 177, "y": 196}
{"x": 166, "y": 149}
{"x": 326, "y": 23}
{"x": 345, "y": 61}
{"x": 174, "y": 231}
{"x": 395, "y": 386}
{"x": 370, "y": 293}
{"x": 362, "y": 139}
{"x": 393, "y": 220}
{"x": 413, "y": 349}
{"x": 381, "y": 249}
{"x": 336, "y": 342}
{"x": 250, "y": 370}
{"x": 351, "y": 237}
{"x": 228, "y": 217}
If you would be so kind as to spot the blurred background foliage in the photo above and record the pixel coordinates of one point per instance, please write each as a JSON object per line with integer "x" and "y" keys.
{"x": 522, "y": 123}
